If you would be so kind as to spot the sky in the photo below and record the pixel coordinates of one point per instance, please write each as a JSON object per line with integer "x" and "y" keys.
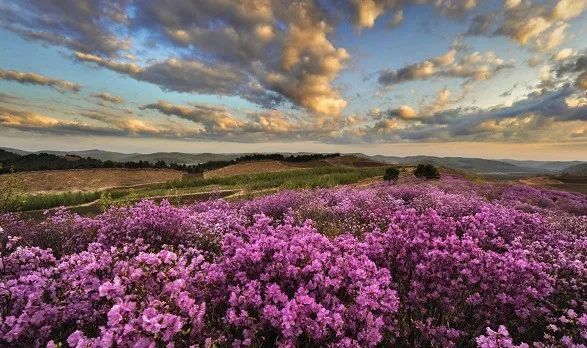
{"x": 474, "y": 78}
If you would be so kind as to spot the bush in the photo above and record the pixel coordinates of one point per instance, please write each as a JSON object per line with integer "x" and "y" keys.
{"x": 413, "y": 265}
{"x": 426, "y": 171}
{"x": 391, "y": 173}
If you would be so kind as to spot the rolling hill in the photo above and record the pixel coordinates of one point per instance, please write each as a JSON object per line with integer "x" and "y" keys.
{"x": 478, "y": 165}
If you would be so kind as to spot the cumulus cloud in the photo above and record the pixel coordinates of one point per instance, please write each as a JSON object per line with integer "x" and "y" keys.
{"x": 35, "y": 122}
{"x": 366, "y": 12}
{"x": 536, "y": 113}
{"x": 563, "y": 54}
{"x": 534, "y": 61}
{"x": 212, "y": 118}
{"x": 482, "y": 24}
{"x": 280, "y": 49}
{"x": 186, "y": 76}
{"x": 574, "y": 68}
{"x": 265, "y": 51}
{"x": 83, "y": 25}
{"x": 471, "y": 67}
{"x": 541, "y": 24}
{"x": 222, "y": 123}
{"x": 441, "y": 102}
{"x": 39, "y": 80}
{"x": 108, "y": 124}
{"x": 405, "y": 112}
{"x": 107, "y": 97}
{"x": 552, "y": 115}
{"x": 576, "y": 101}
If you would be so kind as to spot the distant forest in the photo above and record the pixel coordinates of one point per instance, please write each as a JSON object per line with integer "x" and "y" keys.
{"x": 12, "y": 162}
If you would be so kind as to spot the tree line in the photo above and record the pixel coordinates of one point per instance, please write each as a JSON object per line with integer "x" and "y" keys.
{"x": 12, "y": 162}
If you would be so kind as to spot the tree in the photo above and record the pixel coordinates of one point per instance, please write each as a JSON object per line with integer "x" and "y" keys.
{"x": 391, "y": 174}
{"x": 426, "y": 171}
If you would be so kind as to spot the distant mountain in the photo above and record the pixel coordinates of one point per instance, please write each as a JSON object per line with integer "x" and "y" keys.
{"x": 577, "y": 169}
{"x": 169, "y": 157}
{"x": 554, "y": 166}
{"x": 479, "y": 165}
{"x": 482, "y": 166}
{"x": 471, "y": 164}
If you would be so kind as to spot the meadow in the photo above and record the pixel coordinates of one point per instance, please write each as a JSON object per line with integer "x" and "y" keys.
{"x": 441, "y": 263}
{"x": 291, "y": 179}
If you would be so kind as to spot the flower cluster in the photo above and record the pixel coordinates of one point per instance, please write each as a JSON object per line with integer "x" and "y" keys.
{"x": 447, "y": 263}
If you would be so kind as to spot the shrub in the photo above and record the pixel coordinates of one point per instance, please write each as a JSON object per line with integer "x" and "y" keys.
{"x": 426, "y": 171}
{"x": 419, "y": 265}
{"x": 391, "y": 174}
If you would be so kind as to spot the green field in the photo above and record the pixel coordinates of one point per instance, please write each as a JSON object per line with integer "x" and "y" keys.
{"x": 250, "y": 183}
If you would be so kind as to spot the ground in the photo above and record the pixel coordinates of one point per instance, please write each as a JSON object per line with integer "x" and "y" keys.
{"x": 92, "y": 179}
{"x": 90, "y": 189}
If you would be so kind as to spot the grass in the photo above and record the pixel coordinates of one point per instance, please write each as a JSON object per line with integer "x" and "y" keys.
{"x": 49, "y": 200}
{"x": 293, "y": 179}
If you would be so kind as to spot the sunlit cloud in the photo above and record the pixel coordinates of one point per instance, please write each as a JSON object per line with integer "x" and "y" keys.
{"x": 39, "y": 80}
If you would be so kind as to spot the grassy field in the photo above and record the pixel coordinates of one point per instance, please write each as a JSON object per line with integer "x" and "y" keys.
{"x": 248, "y": 183}
{"x": 88, "y": 180}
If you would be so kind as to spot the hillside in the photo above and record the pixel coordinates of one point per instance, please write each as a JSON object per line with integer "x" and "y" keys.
{"x": 577, "y": 169}
{"x": 554, "y": 166}
{"x": 169, "y": 157}
{"x": 478, "y": 165}
{"x": 86, "y": 180}
{"x": 482, "y": 166}
{"x": 338, "y": 254}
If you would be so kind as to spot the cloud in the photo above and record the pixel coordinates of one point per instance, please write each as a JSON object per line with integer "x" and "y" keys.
{"x": 366, "y": 12}
{"x": 266, "y": 52}
{"x": 563, "y": 54}
{"x": 552, "y": 115}
{"x": 34, "y": 122}
{"x": 405, "y": 112}
{"x": 441, "y": 102}
{"x": 212, "y": 118}
{"x": 39, "y": 80}
{"x": 471, "y": 67}
{"x": 576, "y": 101}
{"x": 510, "y": 4}
{"x": 540, "y": 24}
{"x": 246, "y": 52}
{"x": 120, "y": 67}
{"x": 109, "y": 124}
{"x": 482, "y": 24}
{"x": 582, "y": 81}
{"x": 397, "y": 19}
{"x": 82, "y": 25}
{"x": 574, "y": 68}
{"x": 284, "y": 49}
{"x": 534, "y": 61}
{"x": 185, "y": 76}
{"x": 539, "y": 115}
{"x": 221, "y": 123}
{"x": 568, "y": 9}
{"x": 553, "y": 39}
{"x": 105, "y": 96}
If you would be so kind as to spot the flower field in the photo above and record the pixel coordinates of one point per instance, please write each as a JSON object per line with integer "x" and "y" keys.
{"x": 448, "y": 263}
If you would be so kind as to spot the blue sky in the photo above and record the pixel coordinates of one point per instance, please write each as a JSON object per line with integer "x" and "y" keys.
{"x": 455, "y": 77}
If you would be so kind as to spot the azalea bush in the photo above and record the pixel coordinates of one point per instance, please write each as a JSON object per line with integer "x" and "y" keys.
{"x": 446, "y": 263}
